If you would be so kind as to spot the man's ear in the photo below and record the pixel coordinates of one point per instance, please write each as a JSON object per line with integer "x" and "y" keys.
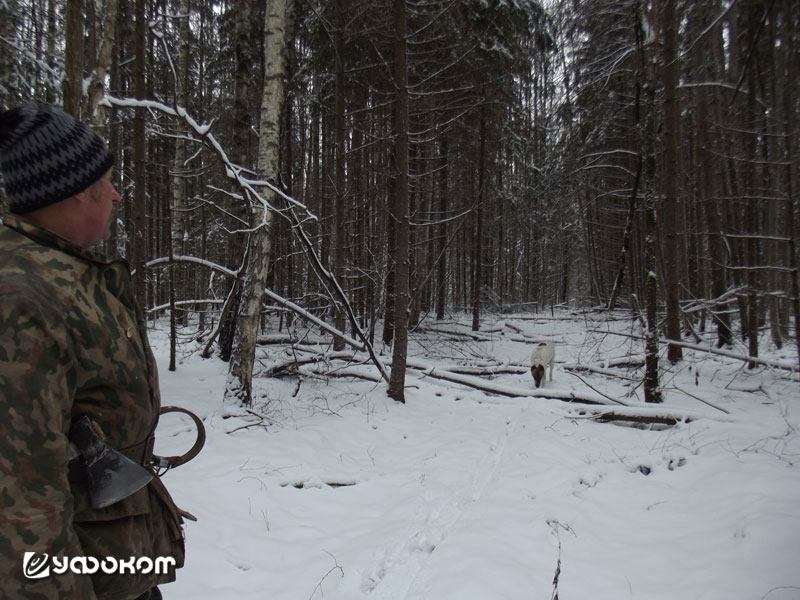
{"x": 81, "y": 197}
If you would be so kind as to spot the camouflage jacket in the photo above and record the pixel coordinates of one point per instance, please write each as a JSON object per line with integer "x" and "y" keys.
{"x": 72, "y": 342}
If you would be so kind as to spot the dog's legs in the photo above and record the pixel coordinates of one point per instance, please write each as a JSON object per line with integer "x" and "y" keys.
{"x": 551, "y": 369}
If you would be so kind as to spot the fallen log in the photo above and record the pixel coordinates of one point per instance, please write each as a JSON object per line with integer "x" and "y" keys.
{"x": 624, "y": 362}
{"x": 644, "y": 415}
{"x": 292, "y": 366}
{"x": 596, "y": 406}
{"x": 472, "y": 335}
{"x": 280, "y": 339}
{"x": 511, "y": 391}
{"x": 354, "y": 371}
{"x": 515, "y": 328}
{"x": 785, "y": 365}
{"x": 586, "y": 405}
{"x": 488, "y": 370}
{"x": 598, "y": 371}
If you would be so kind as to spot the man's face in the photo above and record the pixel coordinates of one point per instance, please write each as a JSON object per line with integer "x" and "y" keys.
{"x": 100, "y": 210}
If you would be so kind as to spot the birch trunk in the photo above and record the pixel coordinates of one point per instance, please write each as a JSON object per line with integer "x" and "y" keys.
{"x": 239, "y": 385}
{"x": 73, "y": 59}
{"x": 97, "y": 87}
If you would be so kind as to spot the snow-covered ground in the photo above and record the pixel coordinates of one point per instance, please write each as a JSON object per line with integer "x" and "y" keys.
{"x": 340, "y": 493}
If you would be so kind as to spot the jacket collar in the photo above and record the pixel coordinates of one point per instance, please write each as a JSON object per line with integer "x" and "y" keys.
{"x": 47, "y": 238}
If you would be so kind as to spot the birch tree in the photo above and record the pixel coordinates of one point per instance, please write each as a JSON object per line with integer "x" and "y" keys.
{"x": 102, "y": 64}
{"x": 240, "y": 373}
{"x": 73, "y": 57}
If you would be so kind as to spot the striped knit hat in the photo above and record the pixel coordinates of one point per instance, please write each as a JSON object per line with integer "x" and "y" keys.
{"x": 47, "y": 156}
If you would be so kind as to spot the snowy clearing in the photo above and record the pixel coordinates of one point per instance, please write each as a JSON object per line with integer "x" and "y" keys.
{"x": 329, "y": 489}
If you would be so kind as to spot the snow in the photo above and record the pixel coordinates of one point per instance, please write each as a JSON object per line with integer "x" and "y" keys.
{"x": 329, "y": 489}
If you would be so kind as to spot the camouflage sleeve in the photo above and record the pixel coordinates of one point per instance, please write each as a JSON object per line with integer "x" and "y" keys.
{"x": 36, "y": 383}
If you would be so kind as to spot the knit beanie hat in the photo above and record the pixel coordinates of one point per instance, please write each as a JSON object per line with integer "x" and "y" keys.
{"x": 47, "y": 156}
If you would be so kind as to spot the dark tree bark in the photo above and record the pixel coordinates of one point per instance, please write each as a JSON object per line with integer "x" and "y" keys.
{"x": 239, "y": 245}
{"x": 441, "y": 294}
{"x": 399, "y": 214}
{"x": 139, "y": 158}
{"x": 477, "y": 248}
{"x": 671, "y": 137}
{"x": 752, "y": 245}
{"x": 339, "y": 252}
{"x": 791, "y": 150}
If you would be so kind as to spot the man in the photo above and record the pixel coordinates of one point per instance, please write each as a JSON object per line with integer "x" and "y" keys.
{"x": 72, "y": 344}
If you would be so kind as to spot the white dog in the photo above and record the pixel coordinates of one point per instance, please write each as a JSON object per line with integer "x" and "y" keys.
{"x": 545, "y": 354}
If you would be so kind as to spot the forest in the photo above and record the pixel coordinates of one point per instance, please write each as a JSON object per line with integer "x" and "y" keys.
{"x": 372, "y": 166}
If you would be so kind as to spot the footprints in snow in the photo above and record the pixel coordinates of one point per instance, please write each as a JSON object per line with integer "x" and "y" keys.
{"x": 644, "y": 468}
{"x": 399, "y": 566}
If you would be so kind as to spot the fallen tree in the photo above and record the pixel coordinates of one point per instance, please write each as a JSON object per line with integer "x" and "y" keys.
{"x": 595, "y": 406}
{"x": 598, "y": 371}
{"x": 608, "y": 409}
{"x": 785, "y": 365}
{"x": 612, "y": 415}
{"x": 457, "y": 335}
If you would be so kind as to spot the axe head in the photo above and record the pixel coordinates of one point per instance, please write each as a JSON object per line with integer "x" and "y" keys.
{"x": 111, "y": 476}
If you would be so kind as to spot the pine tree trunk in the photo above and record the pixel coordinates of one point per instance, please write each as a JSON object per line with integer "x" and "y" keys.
{"x": 139, "y": 158}
{"x": 441, "y": 294}
{"x": 177, "y": 215}
{"x": 709, "y": 169}
{"x": 791, "y": 150}
{"x": 774, "y": 226}
{"x": 400, "y": 216}
{"x": 626, "y": 239}
{"x": 752, "y": 246}
{"x": 670, "y": 220}
{"x": 477, "y": 248}
{"x": 644, "y": 117}
{"x": 239, "y": 384}
{"x": 387, "y": 335}
{"x": 339, "y": 251}
{"x": 239, "y": 244}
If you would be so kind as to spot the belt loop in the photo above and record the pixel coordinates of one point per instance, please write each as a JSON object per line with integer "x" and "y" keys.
{"x": 150, "y": 443}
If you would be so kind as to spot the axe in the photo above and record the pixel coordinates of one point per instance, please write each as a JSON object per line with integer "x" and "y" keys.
{"x": 111, "y": 476}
